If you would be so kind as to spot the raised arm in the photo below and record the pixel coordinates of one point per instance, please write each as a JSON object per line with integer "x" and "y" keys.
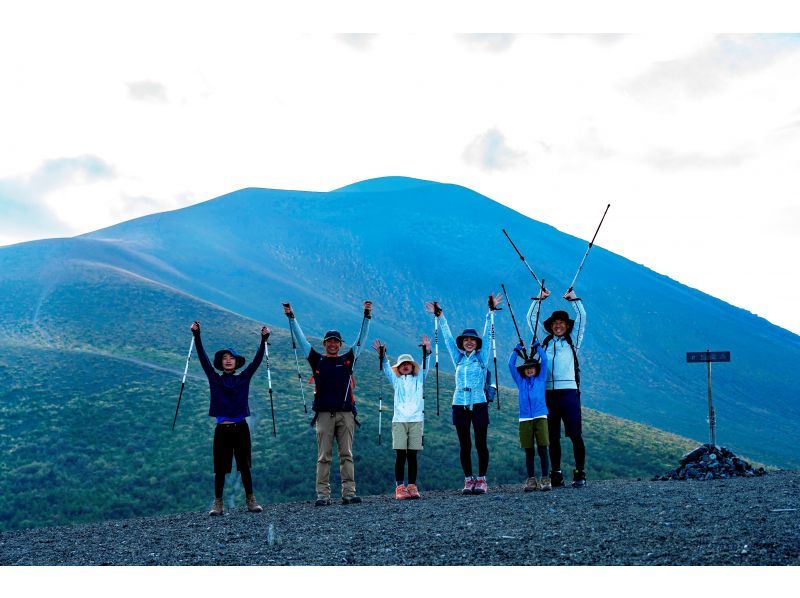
{"x": 448, "y": 339}
{"x": 358, "y": 346}
{"x": 300, "y": 338}
{"x": 201, "y": 352}
{"x": 259, "y": 356}
{"x": 580, "y": 318}
{"x": 486, "y": 346}
{"x": 512, "y": 364}
{"x": 533, "y": 312}
{"x": 543, "y": 367}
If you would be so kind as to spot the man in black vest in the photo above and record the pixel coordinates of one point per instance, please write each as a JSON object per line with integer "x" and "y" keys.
{"x": 334, "y": 404}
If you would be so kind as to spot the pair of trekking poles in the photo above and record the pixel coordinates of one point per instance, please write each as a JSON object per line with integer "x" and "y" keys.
{"x": 269, "y": 382}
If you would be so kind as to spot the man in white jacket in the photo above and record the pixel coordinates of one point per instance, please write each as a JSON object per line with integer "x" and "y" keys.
{"x": 561, "y": 344}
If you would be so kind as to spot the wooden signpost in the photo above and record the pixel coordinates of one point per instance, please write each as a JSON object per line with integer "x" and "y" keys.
{"x": 707, "y": 357}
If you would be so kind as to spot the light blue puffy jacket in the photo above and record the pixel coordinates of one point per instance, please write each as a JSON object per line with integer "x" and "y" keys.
{"x": 559, "y": 354}
{"x": 470, "y": 368}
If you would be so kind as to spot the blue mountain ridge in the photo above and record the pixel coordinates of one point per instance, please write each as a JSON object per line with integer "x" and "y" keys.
{"x": 400, "y": 242}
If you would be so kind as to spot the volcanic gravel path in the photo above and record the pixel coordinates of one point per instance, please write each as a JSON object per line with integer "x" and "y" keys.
{"x": 742, "y": 521}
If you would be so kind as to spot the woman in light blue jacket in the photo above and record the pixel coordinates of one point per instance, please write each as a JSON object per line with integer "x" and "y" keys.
{"x": 470, "y": 355}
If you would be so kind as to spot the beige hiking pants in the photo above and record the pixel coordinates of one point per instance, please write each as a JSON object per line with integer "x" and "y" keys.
{"x": 342, "y": 426}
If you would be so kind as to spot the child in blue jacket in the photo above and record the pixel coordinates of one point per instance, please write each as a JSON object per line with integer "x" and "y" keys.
{"x": 530, "y": 378}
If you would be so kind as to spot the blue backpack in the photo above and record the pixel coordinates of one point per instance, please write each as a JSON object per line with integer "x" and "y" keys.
{"x": 488, "y": 388}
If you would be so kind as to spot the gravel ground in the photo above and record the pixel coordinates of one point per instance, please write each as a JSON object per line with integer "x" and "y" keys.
{"x": 742, "y": 521}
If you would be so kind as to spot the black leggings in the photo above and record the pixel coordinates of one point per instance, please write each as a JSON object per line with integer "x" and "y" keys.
{"x": 530, "y": 461}
{"x": 400, "y": 466}
{"x": 465, "y": 442}
{"x": 578, "y": 449}
{"x": 219, "y": 483}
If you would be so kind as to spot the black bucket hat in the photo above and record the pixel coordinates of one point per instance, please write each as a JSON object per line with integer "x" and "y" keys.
{"x": 218, "y": 358}
{"x": 468, "y": 333}
{"x": 529, "y": 363}
{"x": 558, "y": 315}
{"x": 333, "y": 334}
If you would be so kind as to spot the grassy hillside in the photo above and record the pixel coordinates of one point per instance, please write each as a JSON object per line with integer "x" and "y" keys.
{"x": 89, "y": 396}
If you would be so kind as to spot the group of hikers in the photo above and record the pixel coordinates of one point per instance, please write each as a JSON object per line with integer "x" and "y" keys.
{"x": 548, "y": 381}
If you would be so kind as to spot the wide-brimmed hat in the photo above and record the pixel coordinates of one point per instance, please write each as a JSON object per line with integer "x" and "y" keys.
{"x": 333, "y": 334}
{"x": 406, "y": 358}
{"x": 218, "y": 358}
{"x": 558, "y": 315}
{"x": 529, "y": 363}
{"x": 468, "y": 333}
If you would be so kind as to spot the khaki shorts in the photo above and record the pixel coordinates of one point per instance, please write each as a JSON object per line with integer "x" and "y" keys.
{"x": 533, "y": 428}
{"x": 407, "y": 436}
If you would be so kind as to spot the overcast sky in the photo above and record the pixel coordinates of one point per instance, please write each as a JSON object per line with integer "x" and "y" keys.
{"x": 693, "y": 138}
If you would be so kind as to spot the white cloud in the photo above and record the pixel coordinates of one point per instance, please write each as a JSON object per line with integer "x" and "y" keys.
{"x": 358, "y": 41}
{"x": 711, "y": 67}
{"x": 147, "y": 91}
{"x": 489, "y": 151}
{"x": 493, "y": 42}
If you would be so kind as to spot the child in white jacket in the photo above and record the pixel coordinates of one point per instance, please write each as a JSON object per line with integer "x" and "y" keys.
{"x": 407, "y": 378}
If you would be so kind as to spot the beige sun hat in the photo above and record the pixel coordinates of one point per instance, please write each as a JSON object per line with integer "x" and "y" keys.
{"x": 406, "y": 358}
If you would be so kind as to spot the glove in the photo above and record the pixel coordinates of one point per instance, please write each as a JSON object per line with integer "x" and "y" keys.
{"x": 437, "y": 311}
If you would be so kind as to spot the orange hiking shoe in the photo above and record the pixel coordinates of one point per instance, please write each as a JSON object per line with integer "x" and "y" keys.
{"x": 412, "y": 491}
{"x": 400, "y": 493}
{"x": 480, "y": 486}
{"x": 545, "y": 484}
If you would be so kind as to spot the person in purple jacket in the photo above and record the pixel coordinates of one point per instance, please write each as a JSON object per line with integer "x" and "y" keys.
{"x": 530, "y": 378}
{"x": 229, "y": 404}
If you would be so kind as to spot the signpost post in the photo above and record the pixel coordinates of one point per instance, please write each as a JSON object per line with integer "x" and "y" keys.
{"x": 707, "y": 357}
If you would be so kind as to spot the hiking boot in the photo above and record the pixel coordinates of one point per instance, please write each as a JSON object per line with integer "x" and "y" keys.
{"x": 469, "y": 486}
{"x": 544, "y": 485}
{"x": 322, "y": 501}
{"x": 557, "y": 479}
{"x": 252, "y": 504}
{"x": 480, "y": 487}
{"x": 351, "y": 500}
{"x": 218, "y": 508}
{"x": 531, "y": 485}
{"x": 578, "y": 478}
{"x": 401, "y": 492}
{"x": 413, "y": 492}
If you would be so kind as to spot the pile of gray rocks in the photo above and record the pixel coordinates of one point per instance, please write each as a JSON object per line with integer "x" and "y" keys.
{"x": 709, "y": 462}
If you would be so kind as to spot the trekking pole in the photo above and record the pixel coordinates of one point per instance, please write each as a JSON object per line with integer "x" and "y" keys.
{"x": 513, "y": 319}
{"x": 522, "y": 257}
{"x": 436, "y": 353}
{"x": 297, "y": 365}
{"x": 494, "y": 352}
{"x": 183, "y": 382}
{"x": 591, "y": 243}
{"x": 381, "y": 355}
{"x": 269, "y": 381}
{"x": 536, "y": 324}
